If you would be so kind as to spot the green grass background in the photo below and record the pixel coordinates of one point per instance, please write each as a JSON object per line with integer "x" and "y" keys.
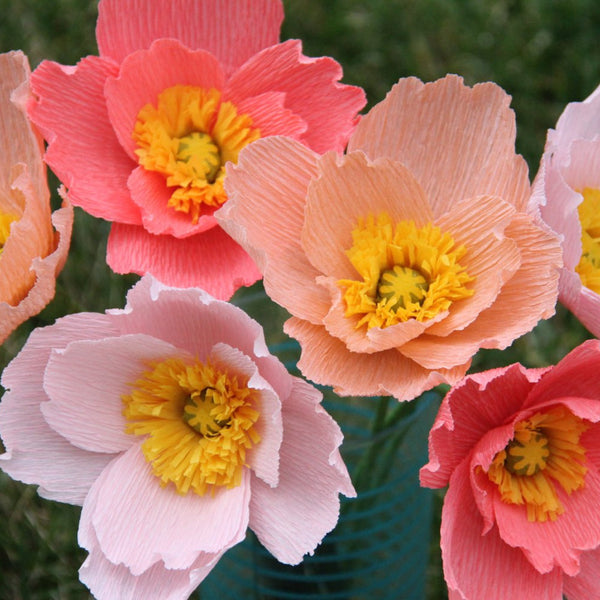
{"x": 544, "y": 53}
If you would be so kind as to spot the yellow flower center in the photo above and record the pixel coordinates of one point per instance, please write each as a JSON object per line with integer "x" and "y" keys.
{"x": 589, "y": 216}
{"x": 198, "y": 422}
{"x": 189, "y": 137}
{"x": 544, "y": 455}
{"x": 407, "y": 272}
{"x": 5, "y": 221}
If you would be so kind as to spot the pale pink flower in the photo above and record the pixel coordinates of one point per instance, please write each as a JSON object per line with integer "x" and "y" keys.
{"x": 34, "y": 242}
{"x": 140, "y": 135}
{"x": 520, "y": 451}
{"x": 174, "y": 427}
{"x": 402, "y": 258}
{"x": 567, "y": 191}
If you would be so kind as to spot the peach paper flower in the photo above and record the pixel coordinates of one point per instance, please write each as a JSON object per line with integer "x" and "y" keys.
{"x": 402, "y": 258}
{"x": 176, "y": 429}
{"x": 34, "y": 242}
{"x": 567, "y": 191}
{"x": 140, "y": 135}
{"x": 520, "y": 451}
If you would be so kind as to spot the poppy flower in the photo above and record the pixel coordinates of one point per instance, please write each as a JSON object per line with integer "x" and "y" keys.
{"x": 34, "y": 242}
{"x": 518, "y": 450}
{"x": 567, "y": 194}
{"x": 174, "y": 427}
{"x": 141, "y": 134}
{"x": 403, "y": 257}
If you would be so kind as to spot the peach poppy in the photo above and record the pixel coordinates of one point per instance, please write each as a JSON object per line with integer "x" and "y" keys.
{"x": 34, "y": 242}
{"x": 518, "y": 449}
{"x": 140, "y": 135}
{"x": 567, "y": 192}
{"x": 403, "y": 257}
{"x": 174, "y": 427}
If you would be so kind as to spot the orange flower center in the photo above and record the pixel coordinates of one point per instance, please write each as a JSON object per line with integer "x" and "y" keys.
{"x": 198, "y": 422}
{"x": 188, "y": 138}
{"x": 543, "y": 456}
{"x": 589, "y": 216}
{"x": 407, "y": 272}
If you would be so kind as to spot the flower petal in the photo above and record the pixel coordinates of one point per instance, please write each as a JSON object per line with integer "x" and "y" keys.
{"x": 312, "y": 90}
{"x": 35, "y": 453}
{"x": 265, "y": 213}
{"x": 461, "y": 153}
{"x": 292, "y": 518}
{"x": 86, "y": 381}
{"x": 211, "y": 260}
{"x": 83, "y": 150}
{"x": 584, "y": 586}
{"x": 139, "y": 523}
{"x": 326, "y": 360}
{"x": 481, "y": 565}
{"x": 232, "y": 30}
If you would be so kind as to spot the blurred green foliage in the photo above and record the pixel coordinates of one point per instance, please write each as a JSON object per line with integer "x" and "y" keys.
{"x": 543, "y": 52}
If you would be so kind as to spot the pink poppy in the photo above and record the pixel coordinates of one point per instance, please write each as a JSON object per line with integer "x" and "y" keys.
{"x": 402, "y": 258}
{"x": 176, "y": 430}
{"x": 140, "y": 135}
{"x": 520, "y": 451}
{"x": 567, "y": 191}
{"x": 34, "y": 242}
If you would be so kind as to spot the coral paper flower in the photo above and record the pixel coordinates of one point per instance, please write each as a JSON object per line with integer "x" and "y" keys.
{"x": 141, "y": 134}
{"x": 402, "y": 258}
{"x": 519, "y": 449}
{"x": 173, "y": 426}
{"x": 567, "y": 191}
{"x": 34, "y": 242}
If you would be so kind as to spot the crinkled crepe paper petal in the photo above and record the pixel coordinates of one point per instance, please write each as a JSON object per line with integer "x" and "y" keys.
{"x": 292, "y": 518}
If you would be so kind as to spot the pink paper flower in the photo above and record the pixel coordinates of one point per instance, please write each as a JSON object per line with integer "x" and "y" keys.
{"x": 173, "y": 426}
{"x": 399, "y": 260}
{"x": 567, "y": 191}
{"x": 141, "y": 134}
{"x": 34, "y": 242}
{"x": 519, "y": 449}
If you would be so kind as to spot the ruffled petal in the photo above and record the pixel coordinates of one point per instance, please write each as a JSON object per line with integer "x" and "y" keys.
{"x": 139, "y": 523}
{"x": 83, "y": 150}
{"x": 210, "y": 260}
{"x": 481, "y": 565}
{"x": 461, "y": 152}
{"x": 584, "y": 586}
{"x": 86, "y": 382}
{"x": 312, "y": 91}
{"x": 232, "y": 30}
{"x": 326, "y": 360}
{"x": 478, "y": 404}
{"x": 35, "y": 453}
{"x": 292, "y": 518}
{"x": 265, "y": 213}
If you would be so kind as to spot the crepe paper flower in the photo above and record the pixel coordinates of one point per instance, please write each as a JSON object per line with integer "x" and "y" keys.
{"x": 141, "y": 134}
{"x": 34, "y": 242}
{"x": 518, "y": 449}
{"x": 402, "y": 258}
{"x": 176, "y": 429}
{"x": 567, "y": 192}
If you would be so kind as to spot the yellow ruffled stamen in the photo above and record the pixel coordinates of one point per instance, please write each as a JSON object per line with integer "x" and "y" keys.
{"x": 408, "y": 272}
{"x": 6, "y": 219}
{"x": 589, "y": 216}
{"x": 199, "y": 422}
{"x": 543, "y": 456}
{"x": 189, "y": 137}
